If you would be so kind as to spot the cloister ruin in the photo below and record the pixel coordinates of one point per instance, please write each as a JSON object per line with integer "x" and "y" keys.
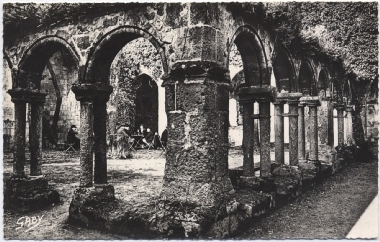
{"x": 274, "y": 95}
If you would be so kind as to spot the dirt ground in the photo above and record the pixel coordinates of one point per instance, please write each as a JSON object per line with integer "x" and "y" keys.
{"x": 321, "y": 213}
{"x": 328, "y": 211}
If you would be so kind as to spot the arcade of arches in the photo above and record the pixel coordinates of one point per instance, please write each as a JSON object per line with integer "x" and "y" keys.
{"x": 214, "y": 80}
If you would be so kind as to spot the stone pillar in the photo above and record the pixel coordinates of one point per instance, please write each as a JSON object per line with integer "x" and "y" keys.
{"x": 248, "y": 129}
{"x": 293, "y": 132}
{"x": 279, "y": 132}
{"x": 35, "y": 134}
{"x": 313, "y": 105}
{"x": 19, "y": 137}
{"x": 100, "y": 131}
{"x": 263, "y": 95}
{"x": 264, "y": 109}
{"x": 350, "y": 136}
{"x": 196, "y": 171}
{"x": 340, "y": 108}
{"x": 301, "y": 132}
{"x": 86, "y": 142}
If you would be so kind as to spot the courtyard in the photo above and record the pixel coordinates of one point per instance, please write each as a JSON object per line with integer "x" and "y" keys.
{"x": 139, "y": 179}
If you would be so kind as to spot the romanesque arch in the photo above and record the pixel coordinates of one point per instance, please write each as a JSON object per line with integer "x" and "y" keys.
{"x": 306, "y": 80}
{"x": 97, "y": 68}
{"x": 283, "y": 69}
{"x": 36, "y": 56}
{"x": 255, "y": 61}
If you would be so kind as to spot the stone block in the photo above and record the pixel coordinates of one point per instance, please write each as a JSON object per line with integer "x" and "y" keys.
{"x": 27, "y": 194}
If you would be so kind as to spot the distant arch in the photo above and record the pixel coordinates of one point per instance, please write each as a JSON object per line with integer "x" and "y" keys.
{"x": 283, "y": 70}
{"x": 255, "y": 62}
{"x": 306, "y": 80}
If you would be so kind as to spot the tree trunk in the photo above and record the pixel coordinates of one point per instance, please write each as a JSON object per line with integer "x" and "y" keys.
{"x": 53, "y": 138}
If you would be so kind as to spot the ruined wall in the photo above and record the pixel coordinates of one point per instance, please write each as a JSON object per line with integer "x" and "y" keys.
{"x": 137, "y": 57}
{"x": 69, "y": 110}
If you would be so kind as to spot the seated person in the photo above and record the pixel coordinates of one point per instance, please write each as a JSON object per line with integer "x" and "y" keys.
{"x": 122, "y": 141}
{"x": 148, "y": 138}
{"x": 72, "y": 139}
{"x": 164, "y": 138}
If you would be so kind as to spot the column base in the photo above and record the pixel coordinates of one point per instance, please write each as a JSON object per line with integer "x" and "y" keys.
{"x": 311, "y": 173}
{"x": 28, "y": 193}
{"x": 89, "y": 204}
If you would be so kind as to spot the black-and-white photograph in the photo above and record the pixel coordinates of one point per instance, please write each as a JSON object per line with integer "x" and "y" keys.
{"x": 190, "y": 120}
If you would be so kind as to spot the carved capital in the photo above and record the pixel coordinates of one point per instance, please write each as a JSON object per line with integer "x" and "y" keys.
{"x": 27, "y": 95}
{"x": 183, "y": 72}
{"x": 257, "y": 94}
{"x": 310, "y": 101}
{"x": 92, "y": 92}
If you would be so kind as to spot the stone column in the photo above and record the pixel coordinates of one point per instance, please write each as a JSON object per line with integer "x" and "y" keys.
{"x": 350, "y": 135}
{"x": 279, "y": 132}
{"x": 293, "y": 132}
{"x": 340, "y": 108}
{"x": 35, "y": 134}
{"x": 100, "y": 131}
{"x": 301, "y": 132}
{"x": 248, "y": 160}
{"x": 86, "y": 142}
{"x": 265, "y": 162}
{"x": 19, "y": 138}
{"x": 313, "y": 105}
{"x": 196, "y": 170}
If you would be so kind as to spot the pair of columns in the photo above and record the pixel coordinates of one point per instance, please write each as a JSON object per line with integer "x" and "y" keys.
{"x": 20, "y": 97}
{"x": 312, "y": 102}
{"x": 247, "y": 97}
{"x": 340, "y": 108}
{"x": 292, "y": 99}
{"x": 93, "y": 119}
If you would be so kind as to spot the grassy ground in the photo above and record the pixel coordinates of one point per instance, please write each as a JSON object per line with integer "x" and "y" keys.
{"x": 325, "y": 212}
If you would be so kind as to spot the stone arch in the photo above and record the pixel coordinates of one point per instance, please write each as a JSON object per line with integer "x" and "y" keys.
{"x": 97, "y": 68}
{"x": 306, "y": 80}
{"x": 323, "y": 83}
{"x": 34, "y": 59}
{"x": 255, "y": 61}
{"x": 283, "y": 69}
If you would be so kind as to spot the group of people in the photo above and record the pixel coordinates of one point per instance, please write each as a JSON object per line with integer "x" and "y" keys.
{"x": 123, "y": 140}
{"x": 118, "y": 145}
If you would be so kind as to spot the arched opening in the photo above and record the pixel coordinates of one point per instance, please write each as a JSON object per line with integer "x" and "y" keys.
{"x": 306, "y": 80}
{"x": 146, "y": 103}
{"x": 247, "y": 48}
{"x": 283, "y": 70}
{"x": 51, "y": 66}
{"x": 307, "y": 87}
{"x": 8, "y": 113}
{"x": 325, "y": 115}
{"x": 284, "y": 80}
{"x": 132, "y": 62}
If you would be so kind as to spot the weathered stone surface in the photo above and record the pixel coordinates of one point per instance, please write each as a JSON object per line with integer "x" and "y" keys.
{"x": 279, "y": 133}
{"x": 28, "y": 193}
{"x": 86, "y": 143}
{"x": 293, "y": 133}
{"x": 19, "y": 139}
{"x": 100, "y": 130}
{"x": 35, "y": 139}
{"x": 301, "y": 132}
{"x": 264, "y": 109}
{"x": 248, "y": 162}
{"x": 33, "y": 200}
